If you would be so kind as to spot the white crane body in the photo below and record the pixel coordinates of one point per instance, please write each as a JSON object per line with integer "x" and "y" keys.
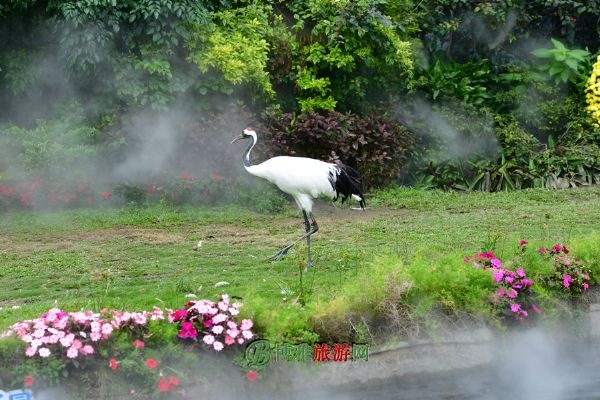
{"x": 304, "y": 179}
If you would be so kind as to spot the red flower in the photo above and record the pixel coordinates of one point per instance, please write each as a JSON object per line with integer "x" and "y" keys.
{"x": 106, "y": 195}
{"x": 522, "y": 242}
{"x": 573, "y": 19}
{"x": 53, "y": 196}
{"x": 217, "y": 178}
{"x": 174, "y": 381}
{"x": 113, "y": 363}
{"x": 25, "y": 199}
{"x": 251, "y": 375}
{"x": 28, "y": 381}
{"x": 186, "y": 177}
{"x": 138, "y": 344}
{"x": 164, "y": 385}
{"x": 151, "y": 363}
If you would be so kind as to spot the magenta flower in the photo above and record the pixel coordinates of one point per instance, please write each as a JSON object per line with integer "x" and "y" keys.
{"x": 526, "y": 282}
{"x": 567, "y": 279}
{"x": 178, "y": 315}
{"x": 187, "y": 331}
{"x": 498, "y": 275}
{"x": 514, "y": 307}
{"x": 536, "y": 309}
{"x": 522, "y": 242}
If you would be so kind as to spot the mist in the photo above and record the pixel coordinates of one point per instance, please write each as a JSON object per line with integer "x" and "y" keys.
{"x": 449, "y": 141}
{"x": 549, "y": 363}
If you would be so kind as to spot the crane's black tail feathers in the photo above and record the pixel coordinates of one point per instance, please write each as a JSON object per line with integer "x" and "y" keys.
{"x": 347, "y": 183}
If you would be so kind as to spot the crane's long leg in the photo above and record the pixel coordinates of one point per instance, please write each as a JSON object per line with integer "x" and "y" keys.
{"x": 311, "y": 227}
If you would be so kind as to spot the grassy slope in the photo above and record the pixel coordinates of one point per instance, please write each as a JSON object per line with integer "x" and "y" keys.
{"x": 134, "y": 259}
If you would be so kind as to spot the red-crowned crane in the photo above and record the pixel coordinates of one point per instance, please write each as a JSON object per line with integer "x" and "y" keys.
{"x": 304, "y": 179}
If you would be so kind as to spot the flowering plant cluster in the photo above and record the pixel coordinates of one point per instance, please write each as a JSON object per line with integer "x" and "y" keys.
{"x": 513, "y": 292}
{"x": 592, "y": 92}
{"x": 76, "y": 334}
{"x": 71, "y": 336}
{"x": 50, "y": 194}
{"x": 569, "y": 273}
{"x": 212, "y": 323}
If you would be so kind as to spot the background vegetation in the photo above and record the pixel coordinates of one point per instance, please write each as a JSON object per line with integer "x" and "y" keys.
{"x": 454, "y": 94}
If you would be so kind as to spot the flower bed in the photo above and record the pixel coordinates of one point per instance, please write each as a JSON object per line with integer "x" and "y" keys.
{"x": 117, "y": 341}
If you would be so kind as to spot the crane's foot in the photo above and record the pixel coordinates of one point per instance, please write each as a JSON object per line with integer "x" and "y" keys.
{"x": 277, "y": 256}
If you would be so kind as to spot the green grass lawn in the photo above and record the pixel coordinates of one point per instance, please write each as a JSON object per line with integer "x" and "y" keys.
{"x": 133, "y": 259}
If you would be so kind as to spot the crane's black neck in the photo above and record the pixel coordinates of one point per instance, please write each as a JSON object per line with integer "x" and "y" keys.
{"x": 246, "y": 156}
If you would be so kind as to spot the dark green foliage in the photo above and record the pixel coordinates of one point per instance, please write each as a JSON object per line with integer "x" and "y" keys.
{"x": 375, "y": 145}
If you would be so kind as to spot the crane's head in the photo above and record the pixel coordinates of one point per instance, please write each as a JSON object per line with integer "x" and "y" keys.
{"x": 247, "y": 133}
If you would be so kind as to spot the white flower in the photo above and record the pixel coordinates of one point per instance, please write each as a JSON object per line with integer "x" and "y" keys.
{"x": 44, "y": 352}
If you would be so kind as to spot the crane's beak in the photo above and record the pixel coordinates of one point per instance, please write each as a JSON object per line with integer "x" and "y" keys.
{"x": 238, "y": 138}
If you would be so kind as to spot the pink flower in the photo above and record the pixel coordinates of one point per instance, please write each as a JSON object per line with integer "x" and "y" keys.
{"x": 217, "y": 319}
{"x": 541, "y": 250}
{"x": 138, "y": 344}
{"x": 67, "y": 340}
{"x": 522, "y": 242}
{"x": 536, "y": 309}
{"x": 495, "y": 262}
{"x": 556, "y": 248}
{"x": 247, "y": 334}
{"x": 87, "y": 350}
{"x": 217, "y": 329}
{"x": 585, "y": 286}
{"x": 511, "y": 293}
{"x": 106, "y": 195}
{"x": 498, "y": 275}
{"x": 229, "y": 340}
{"x": 208, "y": 339}
{"x": 113, "y": 364}
{"x": 187, "y": 331}
{"x": 30, "y": 351}
{"x": 218, "y": 346}
{"x": 246, "y": 324}
{"x": 567, "y": 279}
{"x": 107, "y": 329}
{"x": 72, "y": 352}
{"x": 526, "y": 282}
{"x": 151, "y": 363}
{"x": 515, "y": 307}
